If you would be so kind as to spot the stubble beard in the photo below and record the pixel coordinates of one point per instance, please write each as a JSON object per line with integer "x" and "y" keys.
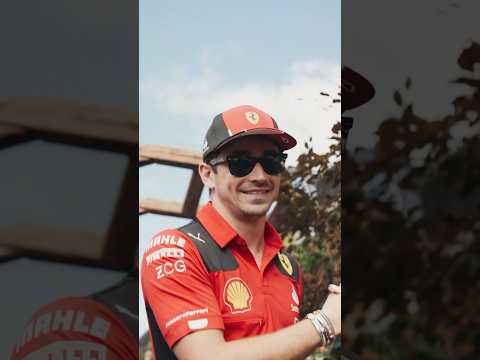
{"x": 253, "y": 214}
{"x": 255, "y": 211}
{"x": 245, "y": 211}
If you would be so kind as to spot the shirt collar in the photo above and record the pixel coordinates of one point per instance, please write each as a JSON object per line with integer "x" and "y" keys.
{"x": 272, "y": 237}
{"x": 223, "y": 233}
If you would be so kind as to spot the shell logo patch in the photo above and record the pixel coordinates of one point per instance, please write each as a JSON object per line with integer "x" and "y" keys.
{"x": 237, "y": 296}
{"x": 286, "y": 264}
{"x": 252, "y": 117}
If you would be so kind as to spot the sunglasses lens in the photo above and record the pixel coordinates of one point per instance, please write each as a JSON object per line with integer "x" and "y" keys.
{"x": 272, "y": 165}
{"x": 240, "y": 166}
{"x": 243, "y": 165}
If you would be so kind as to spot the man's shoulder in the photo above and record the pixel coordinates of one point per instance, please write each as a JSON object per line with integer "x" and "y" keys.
{"x": 187, "y": 237}
{"x": 166, "y": 238}
{"x": 171, "y": 245}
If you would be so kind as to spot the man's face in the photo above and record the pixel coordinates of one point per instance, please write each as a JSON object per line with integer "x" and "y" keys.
{"x": 253, "y": 194}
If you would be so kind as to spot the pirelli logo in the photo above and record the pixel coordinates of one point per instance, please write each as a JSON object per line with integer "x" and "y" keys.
{"x": 165, "y": 252}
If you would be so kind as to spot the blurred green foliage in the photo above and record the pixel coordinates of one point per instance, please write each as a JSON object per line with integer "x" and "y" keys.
{"x": 308, "y": 216}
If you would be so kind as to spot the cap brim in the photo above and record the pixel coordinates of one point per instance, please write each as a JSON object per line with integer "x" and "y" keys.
{"x": 285, "y": 141}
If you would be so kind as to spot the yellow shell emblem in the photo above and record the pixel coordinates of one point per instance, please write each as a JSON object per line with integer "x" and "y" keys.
{"x": 252, "y": 117}
{"x": 286, "y": 264}
{"x": 237, "y": 296}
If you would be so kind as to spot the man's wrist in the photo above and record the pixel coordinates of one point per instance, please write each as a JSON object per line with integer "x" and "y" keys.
{"x": 318, "y": 329}
{"x": 323, "y": 326}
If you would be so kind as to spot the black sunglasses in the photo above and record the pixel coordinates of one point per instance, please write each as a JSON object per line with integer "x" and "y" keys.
{"x": 241, "y": 165}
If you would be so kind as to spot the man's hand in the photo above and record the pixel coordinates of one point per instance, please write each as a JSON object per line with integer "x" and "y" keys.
{"x": 333, "y": 307}
{"x": 336, "y": 289}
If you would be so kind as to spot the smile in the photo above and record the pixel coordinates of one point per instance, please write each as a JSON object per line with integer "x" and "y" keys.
{"x": 254, "y": 192}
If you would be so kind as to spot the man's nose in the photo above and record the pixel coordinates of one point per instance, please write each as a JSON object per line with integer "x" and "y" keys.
{"x": 258, "y": 173}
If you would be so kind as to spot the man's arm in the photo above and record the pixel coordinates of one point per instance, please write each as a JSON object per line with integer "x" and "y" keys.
{"x": 294, "y": 342}
{"x": 291, "y": 343}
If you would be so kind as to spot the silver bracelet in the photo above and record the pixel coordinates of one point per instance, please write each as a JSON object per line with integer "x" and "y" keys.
{"x": 318, "y": 326}
{"x": 323, "y": 325}
{"x": 331, "y": 329}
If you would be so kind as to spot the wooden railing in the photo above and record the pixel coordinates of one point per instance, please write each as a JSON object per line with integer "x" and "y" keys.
{"x": 163, "y": 155}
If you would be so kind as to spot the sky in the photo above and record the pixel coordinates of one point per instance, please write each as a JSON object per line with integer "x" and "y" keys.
{"x": 199, "y": 59}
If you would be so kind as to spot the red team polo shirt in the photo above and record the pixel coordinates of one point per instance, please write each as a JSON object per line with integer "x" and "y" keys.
{"x": 184, "y": 292}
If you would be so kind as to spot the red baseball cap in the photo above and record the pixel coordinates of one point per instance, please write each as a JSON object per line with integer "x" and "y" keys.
{"x": 240, "y": 121}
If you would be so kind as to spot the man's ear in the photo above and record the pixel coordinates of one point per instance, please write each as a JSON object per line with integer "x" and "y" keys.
{"x": 206, "y": 174}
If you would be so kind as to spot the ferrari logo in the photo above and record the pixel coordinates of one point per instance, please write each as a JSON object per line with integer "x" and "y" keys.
{"x": 237, "y": 296}
{"x": 287, "y": 265}
{"x": 252, "y": 117}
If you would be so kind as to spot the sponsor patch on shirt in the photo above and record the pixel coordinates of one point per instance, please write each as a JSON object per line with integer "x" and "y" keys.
{"x": 237, "y": 296}
{"x": 165, "y": 252}
{"x": 166, "y": 239}
{"x": 286, "y": 264}
{"x": 186, "y": 314}
{"x": 295, "y": 299}
{"x": 295, "y": 296}
{"x": 197, "y": 324}
{"x": 170, "y": 267}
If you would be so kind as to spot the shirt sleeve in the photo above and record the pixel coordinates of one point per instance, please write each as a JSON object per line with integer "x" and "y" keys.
{"x": 177, "y": 288}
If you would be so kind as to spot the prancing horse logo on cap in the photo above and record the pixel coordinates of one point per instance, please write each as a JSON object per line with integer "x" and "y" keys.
{"x": 252, "y": 117}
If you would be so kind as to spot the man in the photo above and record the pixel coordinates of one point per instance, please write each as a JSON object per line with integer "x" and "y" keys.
{"x": 220, "y": 287}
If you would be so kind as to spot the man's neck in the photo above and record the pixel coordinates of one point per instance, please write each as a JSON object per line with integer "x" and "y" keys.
{"x": 251, "y": 228}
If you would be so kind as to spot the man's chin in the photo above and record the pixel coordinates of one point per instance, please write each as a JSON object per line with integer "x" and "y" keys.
{"x": 256, "y": 210}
